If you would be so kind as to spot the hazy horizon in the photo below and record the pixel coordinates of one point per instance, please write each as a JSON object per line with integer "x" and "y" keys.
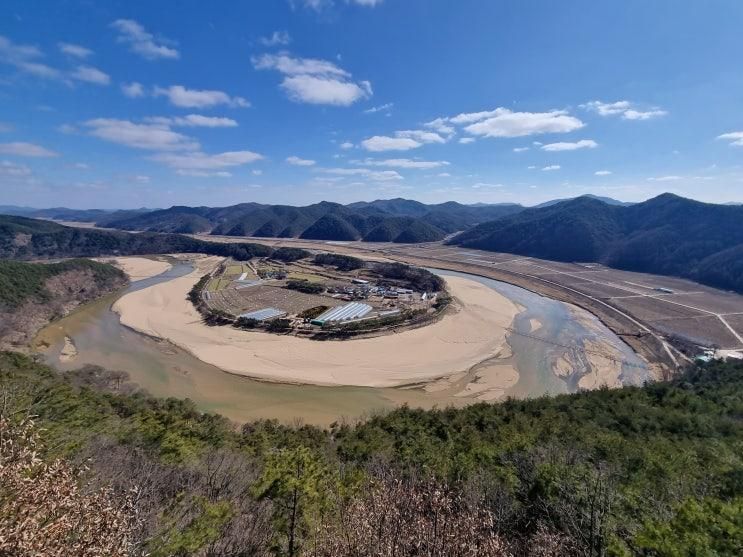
{"x": 297, "y": 101}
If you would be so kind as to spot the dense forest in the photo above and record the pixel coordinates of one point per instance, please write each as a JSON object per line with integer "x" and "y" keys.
{"x": 653, "y": 470}
{"x": 393, "y": 220}
{"x": 24, "y": 238}
{"x": 667, "y": 235}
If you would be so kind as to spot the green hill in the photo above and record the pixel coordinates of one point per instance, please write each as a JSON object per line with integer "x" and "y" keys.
{"x": 666, "y": 235}
{"x": 653, "y": 470}
{"x": 325, "y": 220}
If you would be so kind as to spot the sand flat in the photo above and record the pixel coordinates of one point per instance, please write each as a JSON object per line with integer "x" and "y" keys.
{"x": 138, "y": 268}
{"x": 456, "y": 343}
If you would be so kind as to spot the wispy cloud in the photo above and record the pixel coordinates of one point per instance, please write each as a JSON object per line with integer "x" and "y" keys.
{"x": 402, "y": 163}
{"x": 133, "y": 90}
{"x": 625, "y": 109}
{"x": 387, "y": 107}
{"x": 568, "y": 146}
{"x": 276, "y": 38}
{"x": 179, "y": 95}
{"x": 154, "y": 137}
{"x": 74, "y": 50}
{"x": 551, "y": 167}
{"x": 142, "y": 42}
{"x": 90, "y": 74}
{"x": 23, "y": 149}
{"x": 735, "y": 138}
{"x": 296, "y": 161}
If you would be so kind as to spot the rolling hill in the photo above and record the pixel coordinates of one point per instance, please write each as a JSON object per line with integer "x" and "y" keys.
{"x": 667, "y": 235}
{"x": 390, "y": 220}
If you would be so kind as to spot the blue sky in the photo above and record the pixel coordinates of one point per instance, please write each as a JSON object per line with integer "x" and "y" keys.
{"x": 133, "y": 103}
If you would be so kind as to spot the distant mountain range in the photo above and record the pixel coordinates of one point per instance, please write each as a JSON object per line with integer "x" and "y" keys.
{"x": 388, "y": 220}
{"x": 667, "y": 235}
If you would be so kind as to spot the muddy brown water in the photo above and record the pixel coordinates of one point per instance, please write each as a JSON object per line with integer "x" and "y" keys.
{"x": 168, "y": 371}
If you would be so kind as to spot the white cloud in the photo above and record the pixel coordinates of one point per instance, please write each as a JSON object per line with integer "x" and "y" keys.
{"x": 568, "y": 146}
{"x": 466, "y": 140}
{"x": 13, "y": 170}
{"x": 532, "y": 167}
{"x": 313, "y": 81}
{"x": 256, "y": 172}
{"x": 602, "y": 173}
{"x": 665, "y": 179}
{"x": 179, "y": 95}
{"x": 379, "y": 143}
{"x": 324, "y": 90}
{"x": 443, "y": 175}
{"x": 22, "y": 149}
{"x": 484, "y": 185}
{"x": 194, "y": 121}
{"x": 142, "y": 179}
{"x": 91, "y": 75}
{"x": 381, "y": 108}
{"x": 26, "y": 58}
{"x": 155, "y": 137}
{"x": 296, "y": 161}
{"x": 625, "y": 109}
{"x": 551, "y": 167}
{"x": 421, "y": 136}
{"x": 276, "y": 38}
{"x": 201, "y": 161}
{"x": 502, "y": 122}
{"x": 639, "y": 115}
{"x": 143, "y": 43}
{"x": 346, "y": 145}
{"x": 735, "y": 138}
{"x": 374, "y": 175}
{"x": 402, "y": 163}
{"x": 440, "y": 125}
{"x": 74, "y": 50}
{"x": 81, "y": 166}
{"x": 68, "y": 129}
{"x": 132, "y": 90}
{"x": 470, "y": 117}
{"x": 520, "y": 149}
{"x": 204, "y": 174}
{"x": 369, "y": 3}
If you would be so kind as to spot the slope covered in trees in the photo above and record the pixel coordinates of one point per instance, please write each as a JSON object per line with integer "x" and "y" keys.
{"x": 665, "y": 235}
{"x": 652, "y": 470}
{"x": 392, "y": 220}
{"x": 24, "y": 238}
{"x": 33, "y": 293}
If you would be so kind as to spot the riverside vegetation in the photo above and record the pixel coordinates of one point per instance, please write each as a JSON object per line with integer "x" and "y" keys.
{"x": 653, "y": 470}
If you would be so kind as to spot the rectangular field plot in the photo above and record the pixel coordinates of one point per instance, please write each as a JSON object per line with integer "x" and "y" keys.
{"x": 716, "y": 303}
{"x": 598, "y": 290}
{"x": 259, "y": 297}
{"x": 650, "y": 309}
{"x": 642, "y": 281}
{"x": 704, "y": 330}
{"x": 736, "y": 322}
{"x": 567, "y": 280}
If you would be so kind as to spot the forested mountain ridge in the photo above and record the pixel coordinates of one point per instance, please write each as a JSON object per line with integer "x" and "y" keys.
{"x": 666, "y": 235}
{"x": 392, "y": 220}
{"x": 25, "y": 238}
{"x": 652, "y": 470}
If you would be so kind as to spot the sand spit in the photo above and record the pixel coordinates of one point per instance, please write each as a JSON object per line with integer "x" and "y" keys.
{"x": 138, "y": 268}
{"x": 69, "y": 350}
{"x": 474, "y": 333}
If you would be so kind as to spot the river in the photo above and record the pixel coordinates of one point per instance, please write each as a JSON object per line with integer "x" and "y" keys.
{"x": 165, "y": 370}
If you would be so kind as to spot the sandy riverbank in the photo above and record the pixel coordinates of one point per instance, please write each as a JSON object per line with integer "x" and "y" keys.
{"x": 471, "y": 335}
{"x": 138, "y": 268}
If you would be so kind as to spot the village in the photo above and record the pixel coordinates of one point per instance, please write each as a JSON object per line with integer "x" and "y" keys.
{"x": 321, "y": 293}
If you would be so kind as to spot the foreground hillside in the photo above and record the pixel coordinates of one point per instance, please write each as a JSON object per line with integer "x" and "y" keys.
{"x": 31, "y": 294}
{"x": 667, "y": 235}
{"x": 394, "y": 220}
{"x": 654, "y": 470}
